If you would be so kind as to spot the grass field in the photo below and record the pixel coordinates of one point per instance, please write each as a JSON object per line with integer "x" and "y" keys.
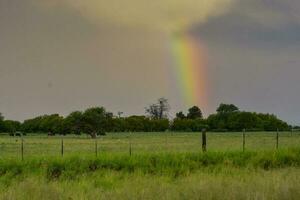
{"x": 162, "y": 166}
{"x": 42, "y": 145}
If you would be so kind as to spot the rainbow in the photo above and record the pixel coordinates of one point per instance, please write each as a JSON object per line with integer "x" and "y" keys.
{"x": 190, "y": 69}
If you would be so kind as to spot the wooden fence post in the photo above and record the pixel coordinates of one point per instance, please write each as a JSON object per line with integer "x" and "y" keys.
{"x": 277, "y": 139}
{"x": 244, "y": 139}
{"x": 62, "y": 146}
{"x": 204, "y": 140}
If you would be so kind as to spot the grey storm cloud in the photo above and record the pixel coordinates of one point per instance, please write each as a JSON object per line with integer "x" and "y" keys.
{"x": 268, "y": 23}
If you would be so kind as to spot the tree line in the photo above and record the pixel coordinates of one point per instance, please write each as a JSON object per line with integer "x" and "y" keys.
{"x": 97, "y": 121}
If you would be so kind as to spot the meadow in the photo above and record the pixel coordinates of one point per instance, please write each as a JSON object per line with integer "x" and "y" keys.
{"x": 42, "y": 145}
{"x": 161, "y": 166}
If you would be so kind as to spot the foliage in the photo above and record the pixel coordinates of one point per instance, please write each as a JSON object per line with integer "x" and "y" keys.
{"x": 237, "y": 121}
{"x": 97, "y": 121}
{"x": 140, "y": 124}
{"x": 46, "y": 123}
{"x": 194, "y": 113}
{"x": 180, "y": 115}
{"x": 158, "y": 110}
{"x": 188, "y": 125}
{"x": 11, "y": 126}
{"x": 94, "y": 121}
{"x": 227, "y": 108}
{"x": 73, "y": 123}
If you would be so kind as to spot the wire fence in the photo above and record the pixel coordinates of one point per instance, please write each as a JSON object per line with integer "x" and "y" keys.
{"x": 135, "y": 143}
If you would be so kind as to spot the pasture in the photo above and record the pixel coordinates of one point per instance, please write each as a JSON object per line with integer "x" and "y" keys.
{"x": 161, "y": 166}
{"x": 167, "y": 142}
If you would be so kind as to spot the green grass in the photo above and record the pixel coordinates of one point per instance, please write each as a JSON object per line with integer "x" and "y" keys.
{"x": 172, "y": 164}
{"x": 227, "y": 184}
{"x": 42, "y": 145}
{"x": 213, "y": 175}
{"x": 162, "y": 166}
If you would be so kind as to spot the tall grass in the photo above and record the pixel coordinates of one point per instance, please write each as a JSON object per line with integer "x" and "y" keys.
{"x": 173, "y": 164}
{"x": 227, "y": 184}
{"x": 211, "y": 175}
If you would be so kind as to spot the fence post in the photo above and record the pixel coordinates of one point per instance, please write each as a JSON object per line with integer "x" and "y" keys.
{"x": 204, "y": 140}
{"x": 96, "y": 147}
{"x": 62, "y": 146}
{"x": 277, "y": 139}
{"x": 244, "y": 139}
{"x": 292, "y": 130}
{"x": 130, "y": 151}
{"x": 22, "y": 148}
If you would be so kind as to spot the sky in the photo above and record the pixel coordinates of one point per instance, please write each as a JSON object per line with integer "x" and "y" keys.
{"x": 57, "y": 56}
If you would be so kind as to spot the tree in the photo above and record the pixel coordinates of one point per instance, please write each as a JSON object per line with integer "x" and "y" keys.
{"x": 46, "y": 123}
{"x": 94, "y": 121}
{"x": 159, "y": 110}
{"x": 227, "y": 108}
{"x": 244, "y": 120}
{"x": 51, "y": 124}
{"x": 32, "y": 125}
{"x": 188, "y": 125}
{"x": 180, "y": 115}
{"x": 137, "y": 124}
{"x": 194, "y": 113}
{"x": 217, "y": 122}
{"x": 159, "y": 125}
{"x": 272, "y": 123}
{"x": 73, "y": 123}
{"x": 108, "y": 124}
{"x": 11, "y": 126}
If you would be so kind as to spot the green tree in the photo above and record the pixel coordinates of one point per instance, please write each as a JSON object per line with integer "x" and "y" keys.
{"x": 272, "y": 123}
{"x": 73, "y": 123}
{"x": 11, "y": 126}
{"x": 51, "y": 124}
{"x": 195, "y": 113}
{"x": 227, "y": 108}
{"x": 217, "y": 122}
{"x": 229, "y": 118}
{"x": 244, "y": 120}
{"x": 119, "y": 124}
{"x": 159, "y": 125}
{"x": 137, "y": 124}
{"x": 94, "y": 121}
{"x": 42, "y": 124}
{"x": 109, "y": 126}
{"x": 188, "y": 125}
{"x": 32, "y": 125}
{"x": 180, "y": 115}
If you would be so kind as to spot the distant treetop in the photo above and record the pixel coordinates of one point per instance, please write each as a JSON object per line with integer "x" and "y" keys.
{"x": 227, "y": 108}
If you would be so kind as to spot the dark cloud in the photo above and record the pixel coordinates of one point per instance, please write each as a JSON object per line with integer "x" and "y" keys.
{"x": 254, "y": 57}
{"x": 250, "y": 28}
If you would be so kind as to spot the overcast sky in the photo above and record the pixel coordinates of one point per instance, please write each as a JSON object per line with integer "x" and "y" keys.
{"x": 61, "y": 56}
